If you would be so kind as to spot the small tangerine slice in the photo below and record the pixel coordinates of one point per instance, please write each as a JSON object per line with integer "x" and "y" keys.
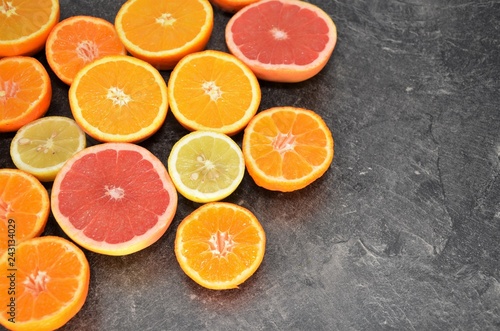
{"x": 232, "y": 6}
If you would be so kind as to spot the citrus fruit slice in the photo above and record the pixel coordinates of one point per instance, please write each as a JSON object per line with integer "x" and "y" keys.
{"x": 44, "y": 283}
{"x": 212, "y": 90}
{"x": 220, "y": 245}
{"x": 119, "y": 98}
{"x": 26, "y": 25}
{"x": 232, "y": 6}
{"x": 287, "y": 148}
{"x": 44, "y": 145}
{"x": 206, "y": 166}
{"x": 77, "y": 41}
{"x": 163, "y": 32}
{"x": 114, "y": 198}
{"x": 25, "y": 91}
{"x": 24, "y": 207}
{"x": 282, "y": 40}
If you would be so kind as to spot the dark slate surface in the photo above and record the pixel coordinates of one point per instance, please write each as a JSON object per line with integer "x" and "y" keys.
{"x": 401, "y": 233}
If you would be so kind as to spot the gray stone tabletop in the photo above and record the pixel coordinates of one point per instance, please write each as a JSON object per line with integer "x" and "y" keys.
{"x": 403, "y": 230}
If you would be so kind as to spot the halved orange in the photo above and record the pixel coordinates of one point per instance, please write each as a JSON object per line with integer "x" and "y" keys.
{"x": 287, "y": 148}
{"x": 24, "y": 207}
{"x": 25, "y": 91}
{"x": 220, "y": 245}
{"x": 25, "y": 25}
{"x": 213, "y": 90}
{"x": 119, "y": 98}
{"x": 163, "y": 32}
{"x": 79, "y": 40}
{"x": 44, "y": 283}
{"x": 282, "y": 40}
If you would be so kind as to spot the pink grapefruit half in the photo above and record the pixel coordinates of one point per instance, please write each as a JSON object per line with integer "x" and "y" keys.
{"x": 282, "y": 40}
{"x": 114, "y": 198}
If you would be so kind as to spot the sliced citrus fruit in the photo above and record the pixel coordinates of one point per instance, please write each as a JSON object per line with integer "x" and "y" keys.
{"x": 119, "y": 98}
{"x": 44, "y": 145}
{"x": 212, "y": 90}
{"x": 25, "y": 25}
{"x": 25, "y": 91}
{"x": 44, "y": 283}
{"x": 282, "y": 40}
{"x": 163, "y": 32}
{"x": 232, "y": 6}
{"x": 79, "y": 40}
{"x": 24, "y": 207}
{"x": 114, "y": 198}
{"x": 220, "y": 245}
{"x": 287, "y": 148}
{"x": 206, "y": 166}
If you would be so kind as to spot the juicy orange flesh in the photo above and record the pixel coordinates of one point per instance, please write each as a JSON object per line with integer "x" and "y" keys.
{"x": 288, "y": 145}
{"x": 19, "y": 19}
{"x": 20, "y": 86}
{"x": 47, "y": 277}
{"x": 82, "y": 42}
{"x": 279, "y": 33}
{"x": 163, "y": 25}
{"x": 212, "y": 92}
{"x": 220, "y": 244}
{"x": 135, "y": 97}
{"x": 113, "y": 196}
{"x": 21, "y": 202}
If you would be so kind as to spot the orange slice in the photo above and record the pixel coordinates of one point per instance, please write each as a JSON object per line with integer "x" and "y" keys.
{"x": 24, "y": 207}
{"x": 25, "y": 25}
{"x": 220, "y": 245}
{"x": 213, "y": 90}
{"x": 282, "y": 40}
{"x": 232, "y": 6}
{"x": 119, "y": 98}
{"x": 25, "y": 92}
{"x": 287, "y": 148}
{"x": 114, "y": 198}
{"x": 163, "y": 32}
{"x": 77, "y": 41}
{"x": 44, "y": 283}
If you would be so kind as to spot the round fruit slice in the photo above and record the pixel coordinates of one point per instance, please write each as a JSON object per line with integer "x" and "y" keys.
{"x": 282, "y": 40}
{"x": 26, "y": 25}
{"x": 206, "y": 166}
{"x": 214, "y": 91}
{"x": 24, "y": 207}
{"x": 287, "y": 148}
{"x": 232, "y": 6}
{"x": 220, "y": 245}
{"x": 77, "y": 41}
{"x": 25, "y": 91}
{"x": 51, "y": 276}
{"x": 119, "y": 98}
{"x": 114, "y": 198}
{"x": 44, "y": 145}
{"x": 163, "y": 32}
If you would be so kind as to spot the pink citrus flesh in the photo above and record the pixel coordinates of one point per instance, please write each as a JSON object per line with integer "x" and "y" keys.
{"x": 282, "y": 40}
{"x": 114, "y": 198}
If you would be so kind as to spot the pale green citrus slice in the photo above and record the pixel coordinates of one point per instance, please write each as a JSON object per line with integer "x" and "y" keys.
{"x": 206, "y": 166}
{"x": 43, "y": 146}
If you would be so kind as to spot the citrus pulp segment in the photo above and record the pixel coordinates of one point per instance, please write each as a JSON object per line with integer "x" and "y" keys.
{"x": 213, "y": 90}
{"x": 119, "y": 98}
{"x": 282, "y": 40}
{"x": 287, "y": 148}
{"x": 220, "y": 245}
{"x": 163, "y": 32}
{"x": 24, "y": 207}
{"x": 25, "y": 91}
{"x": 51, "y": 276}
{"x": 206, "y": 166}
{"x": 26, "y": 25}
{"x": 43, "y": 146}
{"x": 114, "y": 198}
{"x": 77, "y": 41}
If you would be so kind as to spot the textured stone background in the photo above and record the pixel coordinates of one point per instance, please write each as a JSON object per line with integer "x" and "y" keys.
{"x": 401, "y": 233}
